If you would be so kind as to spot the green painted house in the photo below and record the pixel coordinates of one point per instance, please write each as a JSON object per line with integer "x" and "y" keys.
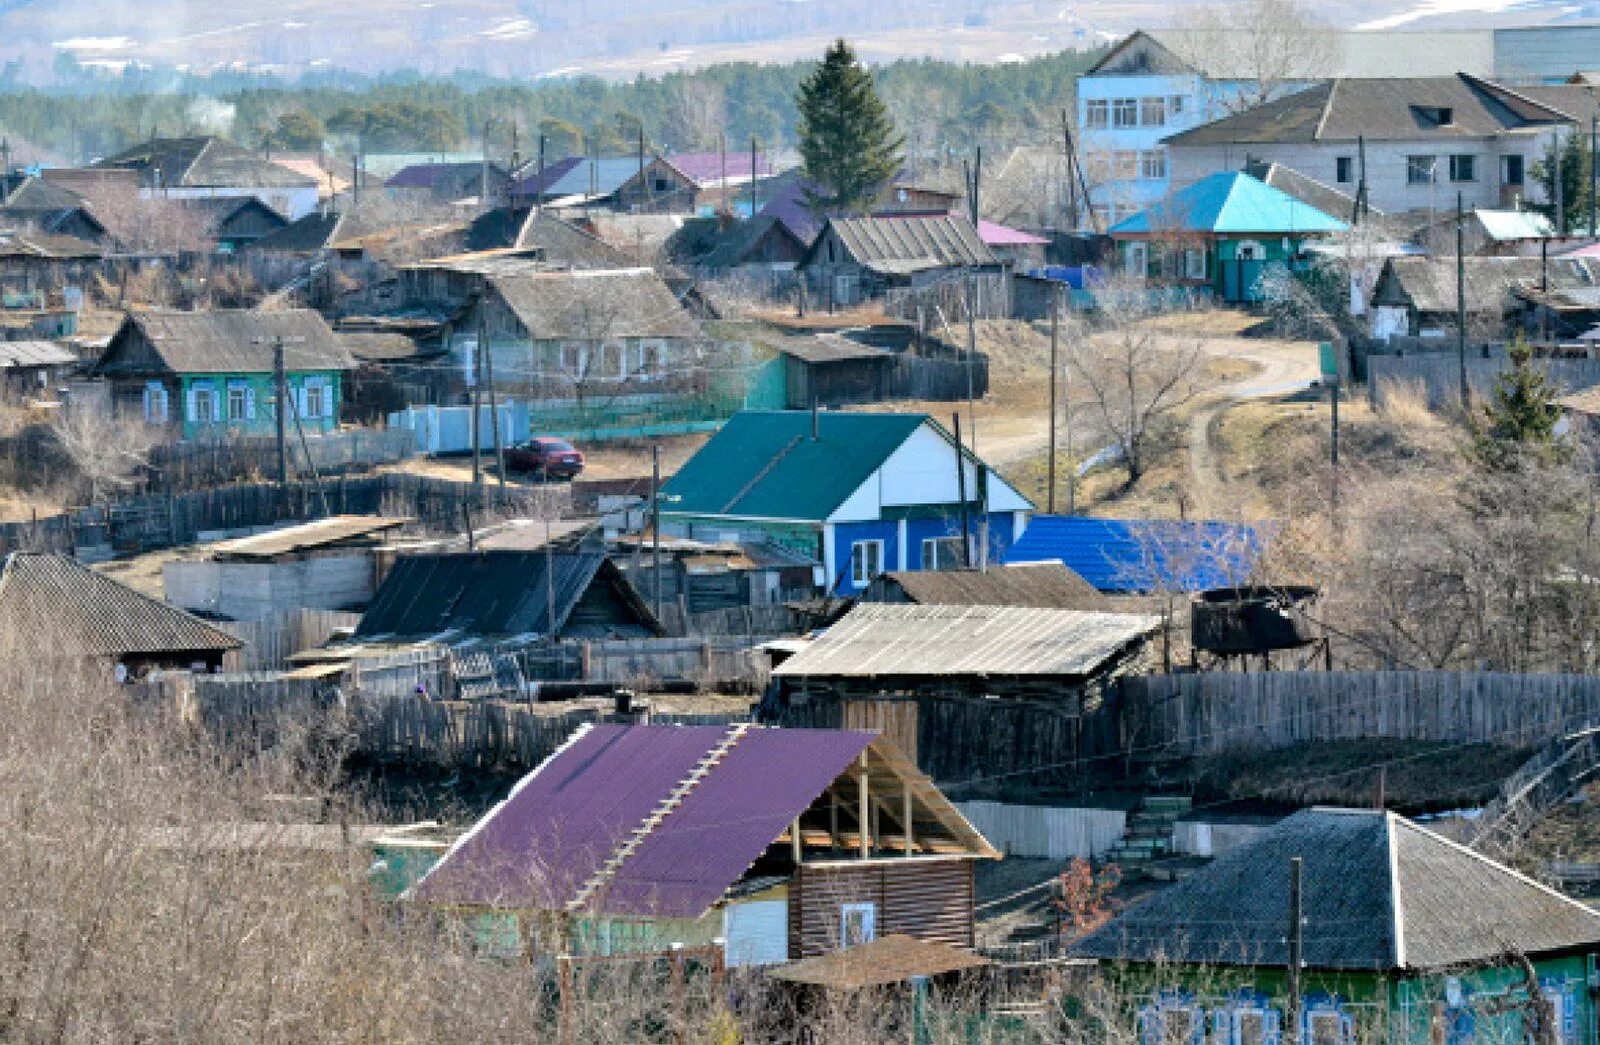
{"x": 209, "y": 375}
{"x": 1407, "y": 938}
{"x": 1220, "y": 233}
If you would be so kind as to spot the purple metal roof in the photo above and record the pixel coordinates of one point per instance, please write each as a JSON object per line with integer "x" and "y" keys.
{"x": 770, "y": 777}
{"x": 423, "y": 175}
{"x": 706, "y": 167}
{"x": 788, "y": 205}
{"x": 561, "y": 822}
{"x": 534, "y": 185}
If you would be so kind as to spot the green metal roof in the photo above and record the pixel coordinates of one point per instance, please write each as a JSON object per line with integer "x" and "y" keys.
{"x": 765, "y": 465}
{"x": 1228, "y": 202}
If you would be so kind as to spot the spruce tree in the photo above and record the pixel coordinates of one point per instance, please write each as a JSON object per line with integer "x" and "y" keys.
{"x": 1519, "y": 422}
{"x": 848, "y": 144}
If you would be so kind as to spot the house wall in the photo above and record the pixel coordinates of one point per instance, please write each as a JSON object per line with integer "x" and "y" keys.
{"x": 926, "y": 898}
{"x": 260, "y": 590}
{"x": 183, "y": 408}
{"x": 902, "y": 535}
{"x": 805, "y": 538}
{"x": 1388, "y": 188}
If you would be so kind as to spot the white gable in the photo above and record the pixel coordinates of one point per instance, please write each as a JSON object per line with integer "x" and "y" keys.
{"x": 923, "y": 471}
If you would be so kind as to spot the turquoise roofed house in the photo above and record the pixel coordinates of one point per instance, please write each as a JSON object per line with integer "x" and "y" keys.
{"x": 861, "y": 493}
{"x": 1221, "y": 234}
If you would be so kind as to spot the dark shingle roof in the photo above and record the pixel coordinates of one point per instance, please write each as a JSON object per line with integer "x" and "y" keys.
{"x": 1047, "y": 585}
{"x": 499, "y": 593}
{"x": 224, "y": 341}
{"x": 764, "y": 464}
{"x": 67, "y": 609}
{"x": 316, "y": 231}
{"x": 713, "y": 244}
{"x": 610, "y": 303}
{"x": 213, "y": 212}
{"x": 1396, "y": 109}
{"x": 1380, "y": 893}
{"x": 204, "y": 162}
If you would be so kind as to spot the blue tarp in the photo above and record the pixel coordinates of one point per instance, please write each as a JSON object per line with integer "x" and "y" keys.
{"x": 1126, "y": 556}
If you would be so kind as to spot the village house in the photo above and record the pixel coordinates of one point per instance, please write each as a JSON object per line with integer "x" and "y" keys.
{"x": 702, "y": 183}
{"x": 1143, "y": 556}
{"x": 718, "y": 247}
{"x": 200, "y": 167}
{"x": 1407, "y": 937}
{"x": 860, "y": 493}
{"x": 230, "y": 223}
{"x": 1417, "y": 296}
{"x": 1412, "y": 143}
{"x": 206, "y": 375}
{"x": 482, "y": 181}
{"x": 1220, "y": 235}
{"x": 53, "y": 607}
{"x": 1486, "y": 233}
{"x": 853, "y": 259}
{"x": 34, "y": 369}
{"x": 771, "y": 844}
{"x": 34, "y": 264}
{"x": 37, "y": 205}
{"x": 574, "y": 181}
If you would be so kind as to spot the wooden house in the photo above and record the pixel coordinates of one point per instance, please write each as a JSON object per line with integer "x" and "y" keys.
{"x": 1417, "y": 297}
{"x": 1406, "y": 937}
{"x": 718, "y": 247}
{"x": 210, "y": 374}
{"x": 482, "y": 181}
{"x": 35, "y": 263}
{"x": 857, "y": 258}
{"x": 206, "y": 166}
{"x": 231, "y": 223}
{"x": 860, "y": 493}
{"x": 35, "y": 204}
{"x": 692, "y": 183}
{"x": 775, "y": 844}
{"x": 53, "y": 607}
{"x": 34, "y": 369}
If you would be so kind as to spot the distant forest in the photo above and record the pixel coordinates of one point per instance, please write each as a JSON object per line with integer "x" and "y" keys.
{"x": 940, "y": 107}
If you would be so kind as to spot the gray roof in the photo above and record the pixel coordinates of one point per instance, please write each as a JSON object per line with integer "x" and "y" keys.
{"x": 1307, "y": 190}
{"x": 334, "y": 531}
{"x": 66, "y": 609}
{"x": 901, "y": 243}
{"x": 1428, "y": 284}
{"x": 35, "y": 353}
{"x": 224, "y": 341}
{"x": 614, "y": 303}
{"x": 563, "y": 243}
{"x": 828, "y": 347}
{"x": 886, "y": 639}
{"x": 377, "y": 346}
{"x": 1379, "y": 893}
{"x": 1226, "y": 54}
{"x": 37, "y": 194}
{"x": 1392, "y": 109}
{"x": 316, "y": 231}
{"x": 1046, "y": 585}
{"x": 204, "y": 162}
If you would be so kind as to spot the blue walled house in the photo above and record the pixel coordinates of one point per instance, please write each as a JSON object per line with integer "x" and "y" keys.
{"x": 1140, "y": 556}
{"x": 862, "y": 493}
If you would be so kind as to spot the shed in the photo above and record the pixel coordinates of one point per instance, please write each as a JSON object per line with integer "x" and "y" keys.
{"x": 779, "y": 843}
{"x": 853, "y": 258}
{"x": 830, "y": 370}
{"x": 1043, "y": 585}
{"x": 34, "y": 367}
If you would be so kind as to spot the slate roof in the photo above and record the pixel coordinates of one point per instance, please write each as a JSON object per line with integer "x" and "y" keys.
{"x": 35, "y": 353}
{"x": 555, "y": 240}
{"x": 1329, "y": 200}
{"x": 876, "y": 640}
{"x": 215, "y": 211}
{"x": 377, "y": 346}
{"x": 1428, "y": 284}
{"x": 612, "y": 303}
{"x": 64, "y": 608}
{"x": 1228, "y": 203}
{"x": 1044, "y": 585}
{"x": 47, "y": 246}
{"x": 712, "y": 244}
{"x": 1142, "y": 555}
{"x": 562, "y": 822}
{"x": 204, "y": 162}
{"x": 314, "y": 232}
{"x": 37, "y": 194}
{"x": 764, "y": 464}
{"x": 222, "y": 341}
{"x": 1379, "y": 109}
{"x": 923, "y": 240}
{"x": 498, "y": 593}
{"x": 1379, "y": 893}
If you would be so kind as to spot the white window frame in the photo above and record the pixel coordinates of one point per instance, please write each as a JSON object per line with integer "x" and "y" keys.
{"x": 1153, "y": 111}
{"x": 866, "y": 561}
{"x": 867, "y": 914}
{"x": 930, "y": 553}
{"x": 1313, "y": 1016}
{"x": 1153, "y": 164}
{"x": 156, "y": 405}
{"x": 1194, "y": 263}
{"x": 241, "y": 391}
{"x": 317, "y": 407}
{"x": 203, "y": 399}
{"x": 1096, "y": 114}
{"x": 1124, "y": 113}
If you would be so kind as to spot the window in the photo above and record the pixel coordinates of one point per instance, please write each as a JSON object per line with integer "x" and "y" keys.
{"x": 1125, "y": 112}
{"x": 238, "y": 401}
{"x": 1096, "y": 114}
{"x": 1327, "y": 1027}
{"x": 1153, "y": 164}
{"x": 1125, "y": 165}
{"x": 1194, "y": 263}
{"x": 858, "y": 923}
{"x": 155, "y": 403}
{"x": 1153, "y": 112}
{"x": 1419, "y": 169}
{"x": 1511, "y": 173}
{"x": 1169, "y": 1023}
{"x": 315, "y": 399}
{"x": 1175, "y": 104}
{"x": 941, "y": 553}
{"x": 1463, "y": 168}
{"x": 203, "y": 403}
{"x": 1344, "y": 170}
{"x": 866, "y": 562}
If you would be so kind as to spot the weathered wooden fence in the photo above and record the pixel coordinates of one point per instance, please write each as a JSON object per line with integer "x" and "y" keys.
{"x": 191, "y": 465}
{"x": 269, "y": 643}
{"x": 1053, "y": 832}
{"x": 1200, "y": 714}
{"x": 1438, "y": 375}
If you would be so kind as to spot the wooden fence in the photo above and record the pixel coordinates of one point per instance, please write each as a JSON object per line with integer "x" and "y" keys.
{"x": 1183, "y": 715}
{"x": 269, "y": 643}
{"x": 1438, "y": 374}
{"x": 192, "y": 465}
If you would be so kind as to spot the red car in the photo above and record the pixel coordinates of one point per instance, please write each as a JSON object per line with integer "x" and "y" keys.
{"x": 545, "y": 456}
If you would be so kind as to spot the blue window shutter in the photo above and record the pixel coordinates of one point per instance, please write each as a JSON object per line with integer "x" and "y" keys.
{"x": 250, "y": 403}
{"x": 190, "y": 405}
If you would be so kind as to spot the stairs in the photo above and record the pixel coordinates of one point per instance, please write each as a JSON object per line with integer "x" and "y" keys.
{"x": 1148, "y": 836}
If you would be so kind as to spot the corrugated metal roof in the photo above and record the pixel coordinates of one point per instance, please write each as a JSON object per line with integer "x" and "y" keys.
{"x": 1143, "y": 555}
{"x": 1045, "y": 585}
{"x": 764, "y": 463}
{"x": 35, "y": 353}
{"x": 492, "y": 593}
{"x": 1228, "y": 202}
{"x": 1379, "y": 892}
{"x": 930, "y": 241}
{"x": 61, "y": 607}
{"x": 319, "y": 533}
{"x": 888, "y": 639}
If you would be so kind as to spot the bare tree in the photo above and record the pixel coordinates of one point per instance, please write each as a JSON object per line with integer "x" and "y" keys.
{"x": 156, "y": 225}
{"x": 107, "y": 451}
{"x": 696, "y": 112}
{"x": 1269, "y": 46}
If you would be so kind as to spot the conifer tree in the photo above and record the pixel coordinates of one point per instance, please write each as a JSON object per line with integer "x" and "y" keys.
{"x": 1519, "y": 421}
{"x": 848, "y": 144}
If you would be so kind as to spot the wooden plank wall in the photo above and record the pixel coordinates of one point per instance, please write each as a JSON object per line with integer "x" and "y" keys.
{"x": 1207, "y": 713}
{"x": 269, "y": 643}
{"x": 1056, "y": 833}
{"x": 929, "y": 899}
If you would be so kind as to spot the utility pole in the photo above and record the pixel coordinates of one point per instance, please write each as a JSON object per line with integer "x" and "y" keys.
{"x": 1361, "y": 180}
{"x": 961, "y": 494}
{"x": 1291, "y": 1009}
{"x": 1461, "y": 306}
{"x": 722, "y": 166}
{"x": 280, "y": 410}
{"x": 655, "y": 527}
{"x": 1072, "y": 183}
{"x": 644, "y": 186}
{"x": 483, "y": 168}
{"x": 538, "y": 196}
{"x": 753, "y": 207}
{"x": 1055, "y": 320}
{"x": 477, "y": 400}
{"x": 494, "y": 403}
{"x": 1594, "y": 174}
{"x": 1560, "y": 187}
{"x": 972, "y": 360}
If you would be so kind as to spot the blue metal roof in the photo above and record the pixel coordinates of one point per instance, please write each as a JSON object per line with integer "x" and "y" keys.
{"x": 1229, "y": 202}
{"x": 1141, "y": 555}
